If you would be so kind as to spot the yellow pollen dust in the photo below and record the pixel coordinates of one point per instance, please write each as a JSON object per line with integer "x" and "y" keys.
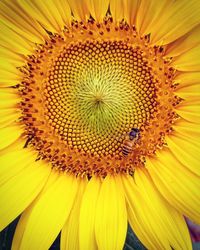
{"x": 84, "y": 91}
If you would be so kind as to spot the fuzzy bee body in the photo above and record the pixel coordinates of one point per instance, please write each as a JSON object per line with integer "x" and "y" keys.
{"x": 127, "y": 147}
{"x": 130, "y": 141}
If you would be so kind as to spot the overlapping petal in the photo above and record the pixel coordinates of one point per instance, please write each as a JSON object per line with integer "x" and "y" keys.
{"x": 52, "y": 15}
{"x": 97, "y": 8}
{"x": 13, "y": 162}
{"x": 19, "y": 21}
{"x": 110, "y": 217}
{"x": 190, "y": 111}
{"x": 20, "y": 190}
{"x": 155, "y": 222}
{"x": 87, "y": 215}
{"x": 47, "y": 214}
{"x": 184, "y": 43}
{"x": 117, "y": 9}
{"x": 9, "y": 74}
{"x": 70, "y": 231}
{"x": 188, "y": 61}
{"x": 179, "y": 186}
{"x": 9, "y": 135}
{"x": 189, "y": 92}
{"x": 79, "y": 9}
{"x": 169, "y": 20}
{"x": 17, "y": 44}
{"x": 9, "y": 114}
{"x": 185, "y": 146}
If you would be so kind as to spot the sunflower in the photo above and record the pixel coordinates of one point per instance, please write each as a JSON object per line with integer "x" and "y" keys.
{"x": 99, "y": 124}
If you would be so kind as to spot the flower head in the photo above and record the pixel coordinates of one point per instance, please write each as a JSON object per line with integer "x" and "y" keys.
{"x": 100, "y": 122}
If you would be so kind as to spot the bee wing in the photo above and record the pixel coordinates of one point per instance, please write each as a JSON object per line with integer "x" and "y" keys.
{"x": 122, "y": 137}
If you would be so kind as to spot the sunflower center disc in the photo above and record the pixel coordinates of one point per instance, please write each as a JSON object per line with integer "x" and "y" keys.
{"x": 82, "y": 97}
{"x": 98, "y": 91}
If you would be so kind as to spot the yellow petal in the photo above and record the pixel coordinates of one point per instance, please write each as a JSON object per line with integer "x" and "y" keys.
{"x": 21, "y": 226}
{"x": 52, "y": 15}
{"x": 49, "y": 212}
{"x": 188, "y": 61}
{"x": 111, "y": 217}
{"x": 135, "y": 204}
{"x": 18, "y": 20}
{"x": 9, "y": 135}
{"x": 147, "y": 12}
{"x": 98, "y": 8}
{"x": 13, "y": 162}
{"x": 10, "y": 40}
{"x": 155, "y": 222}
{"x": 189, "y": 111}
{"x": 87, "y": 215}
{"x": 179, "y": 186}
{"x": 20, "y": 230}
{"x": 186, "y": 149}
{"x": 15, "y": 146}
{"x": 176, "y": 230}
{"x": 184, "y": 43}
{"x": 9, "y": 117}
{"x": 185, "y": 128}
{"x": 187, "y": 78}
{"x": 130, "y": 10}
{"x": 117, "y": 9}
{"x": 20, "y": 190}
{"x": 8, "y": 98}
{"x": 70, "y": 231}
{"x": 169, "y": 20}
{"x": 79, "y": 9}
{"x": 10, "y": 57}
{"x": 65, "y": 11}
{"x": 189, "y": 92}
{"x": 9, "y": 74}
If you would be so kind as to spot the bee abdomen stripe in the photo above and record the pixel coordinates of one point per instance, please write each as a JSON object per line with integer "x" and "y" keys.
{"x": 126, "y": 150}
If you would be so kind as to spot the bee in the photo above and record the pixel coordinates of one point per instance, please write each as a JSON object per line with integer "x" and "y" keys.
{"x": 130, "y": 141}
